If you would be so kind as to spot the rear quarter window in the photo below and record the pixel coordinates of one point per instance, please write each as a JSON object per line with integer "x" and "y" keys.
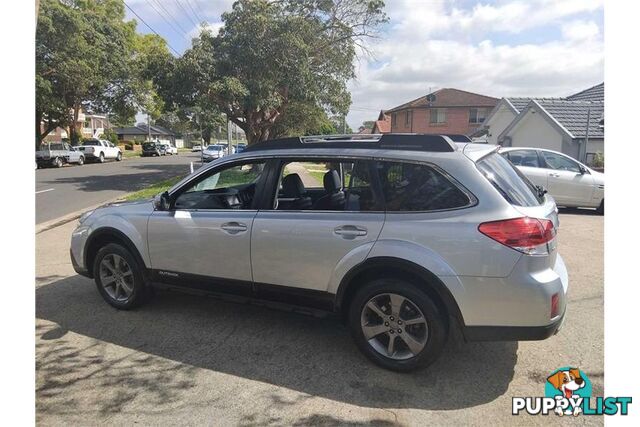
{"x": 418, "y": 187}
{"x": 509, "y": 181}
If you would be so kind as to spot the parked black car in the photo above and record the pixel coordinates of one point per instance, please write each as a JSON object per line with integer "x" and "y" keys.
{"x": 153, "y": 149}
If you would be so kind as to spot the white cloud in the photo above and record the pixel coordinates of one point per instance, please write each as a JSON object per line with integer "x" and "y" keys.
{"x": 431, "y": 45}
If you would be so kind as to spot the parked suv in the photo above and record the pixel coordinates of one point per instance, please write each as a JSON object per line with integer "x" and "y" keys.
{"x": 405, "y": 236}
{"x": 153, "y": 149}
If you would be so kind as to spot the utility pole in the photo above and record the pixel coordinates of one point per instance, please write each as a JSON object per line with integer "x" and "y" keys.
{"x": 344, "y": 124}
{"x": 586, "y": 139}
{"x": 228, "y": 135}
{"x": 148, "y": 128}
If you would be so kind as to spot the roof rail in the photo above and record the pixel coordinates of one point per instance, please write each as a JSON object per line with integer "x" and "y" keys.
{"x": 387, "y": 141}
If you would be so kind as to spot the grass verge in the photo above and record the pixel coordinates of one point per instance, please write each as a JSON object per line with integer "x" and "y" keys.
{"x": 154, "y": 189}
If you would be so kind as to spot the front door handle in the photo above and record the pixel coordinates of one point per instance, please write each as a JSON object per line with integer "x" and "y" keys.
{"x": 555, "y": 175}
{"x": 350, "y": 231}
{"x": 234, "y": 227}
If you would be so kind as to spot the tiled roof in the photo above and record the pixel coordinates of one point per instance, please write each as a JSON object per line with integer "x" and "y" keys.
{"x": 595, "y": 93}
{"x": 448, "y": 97}
{"x": 519, "y": 103}
{"x": 572, "y": 115}
{"x": 382, "y": 126}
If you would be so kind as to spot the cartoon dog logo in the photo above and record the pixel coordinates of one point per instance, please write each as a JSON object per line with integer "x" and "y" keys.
{"x": 567, "y": 381}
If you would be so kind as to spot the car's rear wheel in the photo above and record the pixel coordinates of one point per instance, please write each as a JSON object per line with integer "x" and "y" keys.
{"x": 57, "y": 162}
{"x": 119, "y": 157}
{"x": 397, "y": 325}
{"x": 81, "y": 161}
{"x": 101, "y": 158}
{"x": 119, "y": 277}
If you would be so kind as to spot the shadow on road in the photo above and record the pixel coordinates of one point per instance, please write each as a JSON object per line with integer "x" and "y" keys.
{"x": 578, "y": 211}
{"x": 141, "y": 176}
{"x": 313, "y": 356}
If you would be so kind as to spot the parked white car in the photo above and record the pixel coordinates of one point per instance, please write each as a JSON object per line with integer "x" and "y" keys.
{"x": 213, "y": 152}
{"x": 169, "y": 149}
{"x": 195, "y": 148}
{"x": 100, "y": 150}
{"x": 571, "y": 183}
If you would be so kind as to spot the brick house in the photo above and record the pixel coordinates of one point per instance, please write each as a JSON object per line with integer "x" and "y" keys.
{"x": 450, "y": 111}
{"x": 382, "y": 124}
{"x": 88, "y": 125}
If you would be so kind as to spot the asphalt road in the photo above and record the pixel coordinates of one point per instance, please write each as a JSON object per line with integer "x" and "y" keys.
{"x": 72, "y": 188}
{"x": 190, "y": 360}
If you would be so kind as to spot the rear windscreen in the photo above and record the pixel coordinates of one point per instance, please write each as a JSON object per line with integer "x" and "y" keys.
{"x": 509, "y": 181}
{"x": 149, "y": 146}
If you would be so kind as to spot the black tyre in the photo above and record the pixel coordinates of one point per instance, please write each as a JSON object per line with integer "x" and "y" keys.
{"x": 57, "y": 162}
{"x": 81, "y": 161}
{"x": 119, "y": 157}
{"x": 101, "y": 158}
{"x": 397, "y": 325}
{"x": 119, "y": 278}
{"x": 600, "y": 209}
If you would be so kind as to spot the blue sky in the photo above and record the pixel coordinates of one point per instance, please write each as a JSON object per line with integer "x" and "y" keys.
{"x": 497, "y": 48}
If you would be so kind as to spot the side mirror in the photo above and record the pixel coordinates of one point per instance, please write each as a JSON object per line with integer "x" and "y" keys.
{"x": 162, "y": 202}
{"x": 582, "y": 170}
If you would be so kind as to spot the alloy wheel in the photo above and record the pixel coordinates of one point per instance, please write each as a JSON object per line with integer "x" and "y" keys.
{"x": 116, "y": 277}
{"x": 394, "y": 326}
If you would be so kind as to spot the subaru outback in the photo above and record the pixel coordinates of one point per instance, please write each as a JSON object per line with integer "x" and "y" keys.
{"x": 405, "y": 236}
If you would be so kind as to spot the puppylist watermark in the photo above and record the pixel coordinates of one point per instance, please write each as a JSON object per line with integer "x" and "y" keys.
{"x": 568, "y": 392}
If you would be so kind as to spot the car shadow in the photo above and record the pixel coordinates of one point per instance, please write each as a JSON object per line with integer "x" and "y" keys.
{"x": 578, "y": 211}
{"x": 311, "y": 355}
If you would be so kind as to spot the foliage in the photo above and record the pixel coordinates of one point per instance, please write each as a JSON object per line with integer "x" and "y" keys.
{"x": 153, "y": 190}
{"x": 110, "y": 135}
{"x": 273, "y": 57}
{"x": 598, "y": 160}
{"x": 88, "y": 57}
{"x": 368, "y": 124}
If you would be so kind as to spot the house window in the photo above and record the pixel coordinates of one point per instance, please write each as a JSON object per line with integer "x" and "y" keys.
{"x": 438, "y": 115}
{"x": 407, "y": 118}
{"x": 477, "y": 115}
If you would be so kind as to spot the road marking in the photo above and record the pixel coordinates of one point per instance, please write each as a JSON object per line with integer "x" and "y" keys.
{"x": 44, "y": 191}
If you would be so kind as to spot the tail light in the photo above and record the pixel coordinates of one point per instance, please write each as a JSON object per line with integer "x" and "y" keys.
{"x": 526, "y": 235}
{"x": 555, "y": 305}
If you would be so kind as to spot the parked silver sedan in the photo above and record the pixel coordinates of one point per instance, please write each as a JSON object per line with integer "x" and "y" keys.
{"x": 571, "y": 183}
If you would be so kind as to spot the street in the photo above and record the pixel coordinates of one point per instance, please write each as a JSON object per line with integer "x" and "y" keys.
{"x": 191, "y": 360}
{"x": 62, "y": 191}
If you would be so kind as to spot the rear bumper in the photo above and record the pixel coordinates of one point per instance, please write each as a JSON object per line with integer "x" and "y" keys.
{"x": 513, "y": 333}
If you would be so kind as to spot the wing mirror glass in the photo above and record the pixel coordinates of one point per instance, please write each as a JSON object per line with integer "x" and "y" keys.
{"x": 162, "y": 202}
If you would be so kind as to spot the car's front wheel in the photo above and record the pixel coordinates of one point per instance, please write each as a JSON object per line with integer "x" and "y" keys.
{"x": 119, "y": 157}
{"x": 119, "y": 277}
{"x": 397, "y": 325}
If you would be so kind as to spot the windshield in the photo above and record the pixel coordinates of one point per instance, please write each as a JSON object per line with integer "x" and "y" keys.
{"x": 91, "y": 142}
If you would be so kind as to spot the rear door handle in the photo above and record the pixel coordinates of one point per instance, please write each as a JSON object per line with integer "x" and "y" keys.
{"x": 555, "y": 175}
{"x": 234, "y": 227}
{"x": 350, "y": 231}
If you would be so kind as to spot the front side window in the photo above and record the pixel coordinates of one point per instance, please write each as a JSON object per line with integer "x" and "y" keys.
{"x": 232, "y": 187}
{"x": 527, "y": 158}
{"x": 418, "y": 187}
{"x": 560, "y": 162}
{"x": 438, "y": 116}
{"x": 325, "y": 185}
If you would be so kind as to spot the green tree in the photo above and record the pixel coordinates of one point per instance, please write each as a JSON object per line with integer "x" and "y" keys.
{"x": 270, "y": 56}
{"x": 88, "y": 57}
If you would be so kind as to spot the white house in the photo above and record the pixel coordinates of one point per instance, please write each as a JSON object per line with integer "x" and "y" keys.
{"x": 573, "y": 125}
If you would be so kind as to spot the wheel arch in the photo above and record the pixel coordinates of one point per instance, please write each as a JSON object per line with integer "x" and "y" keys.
{"x": 384, "y": 266}
{"x": 102, "y": 237}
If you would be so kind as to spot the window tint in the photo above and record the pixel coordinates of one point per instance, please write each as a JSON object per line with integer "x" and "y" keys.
{"x": 418, "y": 187}
{"x": 91, "y": 142}
{"x": 325, "y": 185}
{"x": 232, "y": 187}
{"x": 560, "y": 162}
{"x": 524, "y": 158}
{"x": 509, "y": 181}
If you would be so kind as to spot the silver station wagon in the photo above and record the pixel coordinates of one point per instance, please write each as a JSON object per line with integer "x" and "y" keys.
{"x": 405, "y": 236}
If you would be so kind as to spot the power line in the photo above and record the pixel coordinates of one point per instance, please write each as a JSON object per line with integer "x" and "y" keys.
{"x": 194, "y": 11}
{"x": 149, "y": 26}
{"x": 200, "y": 9}
{"x": 195, "y": 24}
{"x": 166, "y": 20}
{"x": 172, "y": 17}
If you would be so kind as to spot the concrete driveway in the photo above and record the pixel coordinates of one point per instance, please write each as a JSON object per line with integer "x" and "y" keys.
{"x": 189, "y": 360}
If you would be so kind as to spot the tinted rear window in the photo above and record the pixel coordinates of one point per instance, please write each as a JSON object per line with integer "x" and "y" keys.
{"x": 509, "y": 181}
{"x": 91, "y": 142}
{"x": 418, "y": 187}
{"x": 149, "y": 146}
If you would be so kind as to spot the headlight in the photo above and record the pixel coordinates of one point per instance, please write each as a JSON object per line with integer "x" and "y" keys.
{"x": 84, "y": 216}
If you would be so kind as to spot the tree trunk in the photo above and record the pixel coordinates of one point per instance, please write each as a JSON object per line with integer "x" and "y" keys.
{"x": 74, "y": 138}
{"x": 39, "y": 135}
{"x": 206, "y": 135}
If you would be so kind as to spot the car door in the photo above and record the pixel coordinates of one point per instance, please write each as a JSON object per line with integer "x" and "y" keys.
{"x": 313, "y": 224}
{"x": 528, "y": 162}
{"x": 203, "y": 240}
{"x": 569, "y": 183}
{"x": 112, "y": 150}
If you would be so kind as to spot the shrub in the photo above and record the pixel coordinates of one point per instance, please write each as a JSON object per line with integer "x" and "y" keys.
{"x": 598, "y": 160}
